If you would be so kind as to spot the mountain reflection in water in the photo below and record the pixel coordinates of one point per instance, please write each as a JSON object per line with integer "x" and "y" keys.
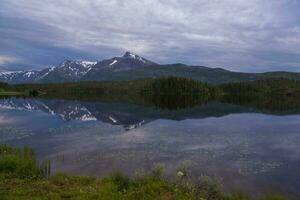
{"x": 248, "y": 149}
{"x": 129, "y": 116}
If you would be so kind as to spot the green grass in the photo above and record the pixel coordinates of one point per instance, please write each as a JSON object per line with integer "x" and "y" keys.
{"x": 3, "y": 93}
{"x": 6, "y": 90}
{"x": 21, "y": 178}
{"x": 112, "y": 187}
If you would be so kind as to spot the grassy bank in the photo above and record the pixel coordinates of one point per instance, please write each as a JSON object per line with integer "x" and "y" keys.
{"x": 7, "y": 94}
{"x": 22, "y": 177}
{"x": 7, "y": 91}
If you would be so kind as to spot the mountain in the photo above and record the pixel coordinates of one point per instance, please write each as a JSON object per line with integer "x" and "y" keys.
{"x": 131, "y": 67}
{"x": 128, "y": 61}
{"x": 19, "y": 76}
{"x": 68, "y": 71}
{"x": 200, "y": 73}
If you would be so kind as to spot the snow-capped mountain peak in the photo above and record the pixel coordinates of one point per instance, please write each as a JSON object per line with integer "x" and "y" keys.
{"x": 128, "y": 54}
{"x": 76, "y": 70}
{"x": 65, "y": 63}
{"x": 73, "y": 70}
{"x": 83, "y": 63}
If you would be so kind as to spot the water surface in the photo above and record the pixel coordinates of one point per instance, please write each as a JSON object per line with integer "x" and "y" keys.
{"x": 246, "y": 149}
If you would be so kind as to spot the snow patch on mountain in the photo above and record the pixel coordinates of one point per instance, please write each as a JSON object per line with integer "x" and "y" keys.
{"x": 113, "y": 62}
{"x": 49, "y": 70}
{"x": 29, "y": 74}
{"x": 87, "y": 64}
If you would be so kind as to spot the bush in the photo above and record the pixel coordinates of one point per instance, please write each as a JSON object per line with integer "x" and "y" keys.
{"x": 34, "y": 93}
{"x": 122, "y": 182}
{"x": 17, "y": 163}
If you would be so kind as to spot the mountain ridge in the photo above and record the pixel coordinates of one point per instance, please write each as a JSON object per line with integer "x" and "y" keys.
{"x": 131, "y": 67}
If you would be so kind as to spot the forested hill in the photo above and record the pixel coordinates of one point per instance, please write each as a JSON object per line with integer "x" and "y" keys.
{"x": 213, "y": 76}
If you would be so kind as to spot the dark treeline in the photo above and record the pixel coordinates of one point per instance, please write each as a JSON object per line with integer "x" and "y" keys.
{"x": 167, "y": 93}
{"x": 7, "y": 90}
{"x": 177, "y": 86}
{"x": 283, "y": 87}
{"x": 269, "y": 94}
{"x": 177, "y": 93}
{"x": 174, "y": 92}
{"x": 123, "y": 91}
{"x": 4, "y": 86}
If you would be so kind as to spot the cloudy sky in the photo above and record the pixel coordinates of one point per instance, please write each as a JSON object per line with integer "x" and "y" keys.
{"x": 240, "y": 35}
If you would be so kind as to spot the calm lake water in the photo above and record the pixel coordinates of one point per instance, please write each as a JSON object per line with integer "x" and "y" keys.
{"x": 245, "y": 149}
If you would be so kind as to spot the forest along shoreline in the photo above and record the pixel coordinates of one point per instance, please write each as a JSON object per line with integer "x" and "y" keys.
{"x": 168, "y": 92}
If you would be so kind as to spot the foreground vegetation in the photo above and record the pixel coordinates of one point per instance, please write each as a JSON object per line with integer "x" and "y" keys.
{"x": 22, "y": 177}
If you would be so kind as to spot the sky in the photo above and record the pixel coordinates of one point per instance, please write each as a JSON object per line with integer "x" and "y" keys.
{"x": 239, "y": 35}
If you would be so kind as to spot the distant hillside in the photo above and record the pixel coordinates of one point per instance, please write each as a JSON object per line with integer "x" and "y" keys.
{"x": 205, "y": 74}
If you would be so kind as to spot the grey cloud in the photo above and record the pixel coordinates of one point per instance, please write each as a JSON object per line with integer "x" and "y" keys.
{"x": 235, "y": 34}
{"x": 6, "y": 59}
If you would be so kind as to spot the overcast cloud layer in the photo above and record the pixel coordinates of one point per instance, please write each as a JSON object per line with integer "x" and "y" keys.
{"x": 240, "y": 35}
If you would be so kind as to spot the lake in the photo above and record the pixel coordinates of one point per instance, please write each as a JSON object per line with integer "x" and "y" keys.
{"x": 246, "y": 149}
